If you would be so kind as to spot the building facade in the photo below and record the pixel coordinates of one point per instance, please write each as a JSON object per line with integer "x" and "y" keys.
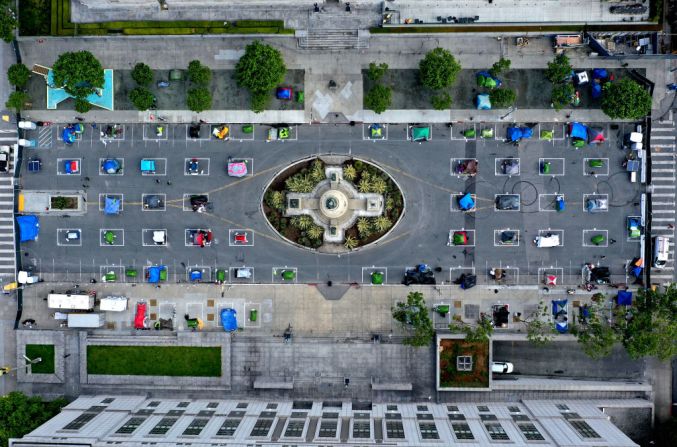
{"x": 99, "y": 421}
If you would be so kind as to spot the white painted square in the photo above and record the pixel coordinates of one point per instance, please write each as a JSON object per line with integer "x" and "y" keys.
{"x": 206, "y": 273}
{"x": 454, "y": 198}
{"x": 588, "y": 234}
{"x": 194, "y": 310}
{"x": 586, "y": 197}
{"x": 219, "y": 307}
{"x": 119, "y": 271}
{"x": 511, "y": 275}
{"x": 277, "y": 275}
{"x": 498, "y": 164}
{"x": 143, "y": 202}
{"x": 542, "y": 233}
{"x": 122, "y": 166}
{"x": 203, "y": 164}
{"x": 453, "y": 162}
{"x": 102, "y": 200}
{"x": 61, "y": 237}
{"x": 603, "y": 171}
{"x": 497, "y": 238}
{"x": 367, "y": 271}
{"x": 150, "y": 132}
{"x": 59, "y": 133}
{"x": 519, "y": 207}
{"x": 61, "y": 170}
{"x": 119, "y": 241}
{"x": 248, "y": 307}
{"x": 547, "y": 271}
{"x": 147, "y": 237}
{"x": 205, "y": 135}
{"x": 470, "y": 234}
{"x": 158, "y": 170}
{"x": 558, "y": 166}
{"x": 232, "y": 233}
{"x": 102, "y": 137}
{"x": 455, "y": 272}
{"x": 237, "y": 134}
{"x": 186, "y": 201}
{"x": 548, "y": 202}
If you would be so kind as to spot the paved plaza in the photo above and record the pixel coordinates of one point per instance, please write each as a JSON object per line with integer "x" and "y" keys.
{"x": 424, "y": 171}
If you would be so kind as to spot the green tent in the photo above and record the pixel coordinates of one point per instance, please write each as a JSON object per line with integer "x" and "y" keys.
{"x": 547, "y": 135}
{"x": 597, "y": 239}
{"x": 419, "y": 133}
{"x": 595, "y": 163}
{"x": 377, "y": 278}
{"x": 487, "y": 133}
{"x": 469, "y": 133}
{"x": 288, "y": 275}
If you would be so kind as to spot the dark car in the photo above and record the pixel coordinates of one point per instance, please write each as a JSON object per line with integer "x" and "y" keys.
{"x": 508, "y": 202}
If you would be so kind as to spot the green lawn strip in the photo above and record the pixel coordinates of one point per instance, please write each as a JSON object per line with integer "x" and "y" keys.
{"x": 46, "y": 353}
{"x": 154, "y": 361}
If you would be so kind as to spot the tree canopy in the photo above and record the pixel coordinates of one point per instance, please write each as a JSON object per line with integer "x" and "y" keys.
{"x": 378, "y": 98}
{"x": 479, "y": 333}
{"x": 142, "y": 98}
{"x": 562, "y": 95}
{"x": 199, "y": 99}
{"x": 18, "y": 74}
{"x": 596, "y": 337}
{"x": 559, "y": 69}
{"x": 442, "y": 101}
{"x": 414, "y": 316}
{"x": 625, "y": 99}
{"x": 376, "y": 71}
{"x": 142, "y": 74}
{"x": 17, "y": 101}
{"x": 500, "y": 66}
{"x": 438, "y": 69}
{"x": 651, "y": 328}
{"x": 502, "y": 97}
{"x": 198, "y": 73}
{"x": 261, "y": 68}
{"x": 79, "y": 73}
{"x": 20, "y": 414}
{"x": 8, "y": 21}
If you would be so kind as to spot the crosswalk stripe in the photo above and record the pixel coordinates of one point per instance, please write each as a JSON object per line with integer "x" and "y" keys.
{"x": 661, "y": 227}
{"x": 663, "y": 186}
{"x": 663, "y": 162}
{"x": 663, "y": 203}
{"x": 662, "y": 129}
{"x": 663, "y": 170}
{"x": 663, "y": 195}
{"x": 663, "y": 219}
{"x": 663, "y": 211}
{"x": 662, "y": 137}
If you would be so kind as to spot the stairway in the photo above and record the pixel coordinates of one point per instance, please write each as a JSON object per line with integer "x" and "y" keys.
{"x": 663, "y": 196}
{"x": 327, "y": 39}
{"x": 8, "y": 138}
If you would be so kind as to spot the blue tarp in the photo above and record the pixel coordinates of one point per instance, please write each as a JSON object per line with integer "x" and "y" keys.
{"x": 527, "y": 132}
{"x": 596, "y": 90}
{"x": 578, "y": 131}
{"x": 111, "y": 205}
{"x": 518, "y": 133}
{"x": 229, "y": 320}
{"x": 624, "y": 298}
{"x": 147, "y": 165}
{"x": 283, "y": 93}
{"x": 483, "y": 102}
{"x": 111, "y": 166}
{"x": 29, "y": 227}
{"x": 600, "y": 73}
{"x": 559, "y": 312}
{"x": 466, "y": 202}
{"x": 195, "y": 275}
{"x": 154, "y": 273}
{"x": 68, "y": 135}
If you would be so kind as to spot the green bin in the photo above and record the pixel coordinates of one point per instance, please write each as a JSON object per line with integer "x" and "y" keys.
{"x": 595, "y": 163}
{"x": 131, "y": 273}
{"x": 253, "y": 314}
{"x": 248, "y": 128}
{"x": 469, "y": 133}
{"x": 220, "y": 275}
{"x": 163, "y": 275}
{"x": 111, "y": 276}
{"x": 597, "y": 239}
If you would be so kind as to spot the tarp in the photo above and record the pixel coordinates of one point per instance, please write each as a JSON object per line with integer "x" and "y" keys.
{"x": 68, "y": 135}
{"x": 229, "y": 320}
{"x": 559, "y": 311}
{"x": 111, "y": 205}
{"x": 484, "y": 79}
{"x": 111, "y": 166}
{"x": 624, "y": 298}
{"x": 71, "y": 166}
{"x": 419, "y": 133}
{"x": 284, "y": 93}
{"x": 578, "y": 131}
{"x": 600, "y": 73}
{"x": 237, "y": 169}
{"x": 596, "y": 90}
{"x": 466, "y": 202}
{"x": 511, "y": 167}
{"x": 483, "y": 102}
{"x": 154, "y": 273}
{"x": 514, "y": 134}
{"x": 29, "y": 227}
{"x": 195, "y": 275}
{"x": 147, "y": 165}
{"x": 596, "y": 135}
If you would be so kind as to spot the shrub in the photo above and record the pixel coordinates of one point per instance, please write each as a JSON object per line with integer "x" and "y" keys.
{"x": 142, "y": 74}
{"x": 562, "y": 95}
{"x": 364, "y": 185}
{"x": 499, "y": 67}
{"x": 198, "y": 73}
{"x": 301, "y": 183}
{"x": 349, "y": 172}
{"x": 378, "y": 185}
{"x": 442, "y": 101}
{"x": 559, "y": 69}
{"x": 18, "y": 75}
{"x": 382, "y": 223}
{"x": 275, "y": 199}
{"x": 502, "y": 97}
{"x": 7, "y": 23}
{"x": 378, "y": 98}
{"x": 317, "y": 171}
{"x": 364, "y": 227}
{"x": 59, "y": 202}
{"x": 142, "y": 98}
{"x": 303, "y": 222}
{"x": 82, "y": 105}
{"x": 625, "y": 99}
{"x": 350, "y": 243}
{"x": 376, "y": 71}
{"x": 438, "y": 69}
{"x": 259, "y": 102}
{"x": 79, "y": 73}
{"x": 17, "y": 101}
{"x": 199, "y": 99}
{"x": 315, "y": 232}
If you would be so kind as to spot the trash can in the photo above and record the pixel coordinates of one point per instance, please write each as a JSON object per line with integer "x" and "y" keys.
{"x": 253, "y": 314}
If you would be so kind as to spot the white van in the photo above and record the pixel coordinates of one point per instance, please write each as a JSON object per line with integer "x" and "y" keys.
{"x": 661, "y": 249}
{"x": 70, "y": 302}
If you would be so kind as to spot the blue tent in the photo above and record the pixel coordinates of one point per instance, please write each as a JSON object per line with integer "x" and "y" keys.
{"x": 483, "y": 102}
{"x": 29, "y": 227}
{"x": 111, "y": 205}
{"x": 514, "y": 133}
{"x": 559, "y": 312}
{"x": 195, "y": 275}
{"x": 154, "y": 273}
{"x": 110, "y": 166}
{"x": 596, "y": 90}
{"x": 68, "y": 135}
{"x": 466, "y": 202}
{"x": 578, "y": 131}
{"x": 147, "y": 165}
{"x": 600, "y": 73}
{"x": 527, "y": 132}
{"x": 624, "y": 298}
{"x": 229, "y": 320}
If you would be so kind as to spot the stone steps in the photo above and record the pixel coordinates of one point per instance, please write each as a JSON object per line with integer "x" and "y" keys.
{"x": 331, "y": 40}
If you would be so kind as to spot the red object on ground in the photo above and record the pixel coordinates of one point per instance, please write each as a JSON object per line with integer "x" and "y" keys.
{"x": 140, "y": 317}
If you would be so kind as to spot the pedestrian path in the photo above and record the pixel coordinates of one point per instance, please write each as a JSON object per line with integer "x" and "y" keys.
{"x": 663, "y": 196}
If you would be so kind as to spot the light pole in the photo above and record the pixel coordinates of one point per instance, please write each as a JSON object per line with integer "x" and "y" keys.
{"x": 510, "y": 110}
{"x": 7, "y": 369}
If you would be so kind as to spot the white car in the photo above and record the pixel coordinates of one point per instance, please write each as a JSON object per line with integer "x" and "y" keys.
{"x": 502, "y": 367}
{"x": 29, "y": 125}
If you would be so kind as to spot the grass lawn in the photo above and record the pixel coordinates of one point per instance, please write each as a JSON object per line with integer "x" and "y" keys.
{"x": 451, "y": 377}
{"x": 154, "y": 361}
{"x": 46, "y": 352}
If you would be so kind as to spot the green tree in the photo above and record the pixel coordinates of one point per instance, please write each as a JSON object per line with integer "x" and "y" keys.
{"x": 18, "y": 75}
{"x": 378, "y": 185}
{"x": 562, "y": 95}
{"x": 79, "y": 73}
{"x": 596, "y": 337}
{"x": 559, "y": 69}
{"x": 364, "y": 227}
{"x": 300, "y": 183}
{"x": 199, "y": 99}
{"x": 259, "y": 70}
{"x": 378, "y": 98}
{"x": 364, "y": 185}
{"x": 382, "y": 223}
{"x": 499, "y": 67}
{"x": 376, "y": 71}
{"x": 317, "y": 173}
{"x": 142, "y": 98}
{"x": 198, "y": 73}
{"x": 20, "y": 414}
{"x": 478, "y": 333}
{"x": 17, "y": 101}
{"x": 303, "y": 222}
{"x": 442, "y": 101}
{"x": 275, "y": 199}
{"x": 315, "y": 232}
{"x": 8, "y": 22}
{"x": 350, "y": 243}
{"x": 82, "y": 105}
{"x": 625, "y": 99}
{"x": 415, "y": 318}
{"x": 651, "y": 329}
{"x": 540, "y": 330}
{"x": 349, "y": 172}
{"x": 438, "y": 69}
{"x": 259, "y": 102}
{"x": 142, "y": 74}
{"x": 502, "y": 97}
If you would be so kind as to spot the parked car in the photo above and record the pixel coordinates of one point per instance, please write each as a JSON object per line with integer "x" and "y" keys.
{"x": 502, "y": 367}
{"x": 4, "y": 159}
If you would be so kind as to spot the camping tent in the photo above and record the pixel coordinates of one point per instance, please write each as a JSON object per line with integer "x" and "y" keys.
{"x": 29, "y": 228}
{"x": 624, "y": 298}
{"x": 518, "y": 133}
{"x": 111, "y": 205}
{"x": 559, "y": 312}
{"x": 68, "y": 135}
{"x": 484, "y": 79}
{"x": 466, "y": 202}
{"x": 596, "y": 135}
{"x": 155, "y": 273}
{"x": 578, "y": 133}
{"x": 229, "y": 320}
{"x": 483, "y": 102}
{"x": 600, "y": 74}
{"x": 110, "y": 166}
{"x": 596, "y": 90}
{"x": 420, "y": 133}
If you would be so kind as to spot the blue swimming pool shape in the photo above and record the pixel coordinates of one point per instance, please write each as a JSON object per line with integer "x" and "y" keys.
{"x": 105, "y": 100}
